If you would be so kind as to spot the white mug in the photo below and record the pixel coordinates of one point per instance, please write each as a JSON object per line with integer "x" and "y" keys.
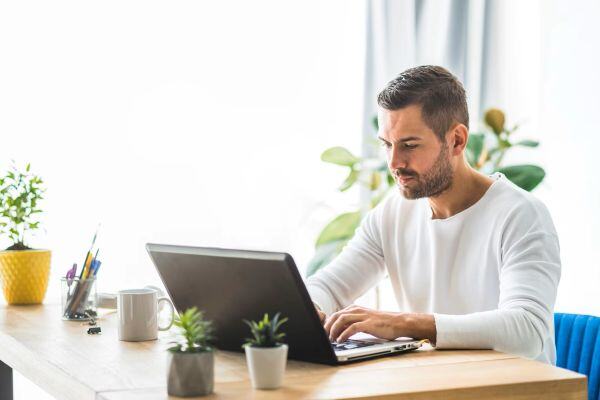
{"x": 137, "y": 311}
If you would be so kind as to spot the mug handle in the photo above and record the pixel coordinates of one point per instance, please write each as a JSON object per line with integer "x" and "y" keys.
{"x": 165, "y": 299}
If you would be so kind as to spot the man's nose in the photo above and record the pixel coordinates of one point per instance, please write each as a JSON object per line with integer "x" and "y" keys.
{"x": 397, "y": 160}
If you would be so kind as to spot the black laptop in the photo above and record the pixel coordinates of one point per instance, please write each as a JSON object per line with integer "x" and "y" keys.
{"x": 232, "y": 285}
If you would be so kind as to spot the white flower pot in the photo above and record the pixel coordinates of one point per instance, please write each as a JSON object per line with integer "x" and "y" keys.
{"x": 266, "y": 365}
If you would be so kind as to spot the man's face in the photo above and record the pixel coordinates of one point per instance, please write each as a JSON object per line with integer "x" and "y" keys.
{"x": 418, "y": 160}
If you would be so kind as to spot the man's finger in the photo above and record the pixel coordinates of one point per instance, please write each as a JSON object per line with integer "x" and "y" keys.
{"x": 333, "y": 317}
{"x": 342, "y": 323}
{"x": 322, "y": 316}
{"x": 351, "y": 330}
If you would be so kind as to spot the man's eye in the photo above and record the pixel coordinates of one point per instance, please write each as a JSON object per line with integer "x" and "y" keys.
{"x": 410, "y": 146}
{"x": 386, "y": 145}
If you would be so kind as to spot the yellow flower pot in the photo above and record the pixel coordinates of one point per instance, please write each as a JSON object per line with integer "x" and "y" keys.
{"x": 24, "y": 275}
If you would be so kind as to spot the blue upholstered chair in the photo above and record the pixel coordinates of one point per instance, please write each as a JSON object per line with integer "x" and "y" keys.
{"x": 578, "y": 347}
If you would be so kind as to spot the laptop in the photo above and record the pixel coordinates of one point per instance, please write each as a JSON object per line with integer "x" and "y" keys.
{"x": 231, "y": 285}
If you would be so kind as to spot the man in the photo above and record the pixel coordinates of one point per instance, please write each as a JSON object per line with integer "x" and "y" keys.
{"x": 473, "y": 259}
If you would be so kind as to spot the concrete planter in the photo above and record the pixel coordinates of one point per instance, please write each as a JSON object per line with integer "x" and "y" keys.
{"x": 190, "y": 374}
{"x": 266, "y": 365}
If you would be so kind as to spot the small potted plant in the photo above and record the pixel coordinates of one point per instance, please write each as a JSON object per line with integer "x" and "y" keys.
{"x": 191, "y": 359}
{"x": 266, "y": 355}
{"x": 24, "y": 271}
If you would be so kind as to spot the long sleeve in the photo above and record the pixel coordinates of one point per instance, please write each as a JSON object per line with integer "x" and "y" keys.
{"x": 529, "y": 276}
{"x": 355, "y": 270}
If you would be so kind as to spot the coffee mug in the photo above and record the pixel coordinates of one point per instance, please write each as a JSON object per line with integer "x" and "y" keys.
{"x": 137, "y": 311}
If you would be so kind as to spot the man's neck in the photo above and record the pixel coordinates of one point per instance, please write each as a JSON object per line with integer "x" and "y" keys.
{"x": 468, "y": 186}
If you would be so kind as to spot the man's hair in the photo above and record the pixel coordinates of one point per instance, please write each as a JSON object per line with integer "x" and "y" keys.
{"x": 439, "y": 93}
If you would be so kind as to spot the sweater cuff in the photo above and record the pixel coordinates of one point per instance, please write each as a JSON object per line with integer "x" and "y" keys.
{"x": 460, "y": 331}
{"x": 469, "y": 331}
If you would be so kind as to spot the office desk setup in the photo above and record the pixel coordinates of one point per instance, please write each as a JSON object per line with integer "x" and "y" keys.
{"x": 65, "y": 361}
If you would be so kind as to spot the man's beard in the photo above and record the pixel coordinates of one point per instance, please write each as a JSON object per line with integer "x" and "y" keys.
{"x": 432, "y": 183}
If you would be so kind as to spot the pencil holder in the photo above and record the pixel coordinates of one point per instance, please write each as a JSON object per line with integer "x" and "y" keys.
{"x": 78, "y": 299}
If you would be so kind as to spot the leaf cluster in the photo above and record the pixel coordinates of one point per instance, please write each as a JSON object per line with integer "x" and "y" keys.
{"x": 196, "y": 333}
{"x": 485, "y": 152}
{"x": 265, "y": 332}
{"x": 20, "y": 194}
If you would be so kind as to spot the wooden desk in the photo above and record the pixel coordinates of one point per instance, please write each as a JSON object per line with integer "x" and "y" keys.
{"x": 68, "y": 363}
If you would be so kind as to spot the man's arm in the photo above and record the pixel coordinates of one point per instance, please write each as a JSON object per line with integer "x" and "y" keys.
{"x": 529, "y": 278}
{"x": 355, "y": 270}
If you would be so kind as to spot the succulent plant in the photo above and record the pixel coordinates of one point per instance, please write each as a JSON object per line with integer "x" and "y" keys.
{"x": 196, "y": 332}
{"x": 265, "y": 332}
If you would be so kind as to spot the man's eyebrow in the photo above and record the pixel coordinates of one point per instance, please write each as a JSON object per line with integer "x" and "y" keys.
{"x": 407, "y": 139}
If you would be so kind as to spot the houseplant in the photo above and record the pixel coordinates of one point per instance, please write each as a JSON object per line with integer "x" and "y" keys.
{"x": 266, "y": 355}
{"x": 24, "y": 271}
{"x": 485, "y": 152}
{"x": 191, "y": 358}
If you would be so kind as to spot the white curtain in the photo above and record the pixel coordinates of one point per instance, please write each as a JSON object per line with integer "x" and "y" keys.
{"x": 480, "y": 41}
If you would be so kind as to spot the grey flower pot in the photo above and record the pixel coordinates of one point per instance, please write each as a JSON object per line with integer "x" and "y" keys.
{"x": 190, "y": 374}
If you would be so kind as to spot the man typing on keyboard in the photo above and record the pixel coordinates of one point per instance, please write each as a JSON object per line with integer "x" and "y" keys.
{"x": 473, "y": 259}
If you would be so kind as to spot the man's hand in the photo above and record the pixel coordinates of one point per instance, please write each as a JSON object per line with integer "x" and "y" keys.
{"x": 321, "y": 314}
{"x": 386, "y": 325}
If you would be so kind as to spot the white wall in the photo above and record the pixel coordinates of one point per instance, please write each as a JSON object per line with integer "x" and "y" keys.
{"x": 192, "y": 122}
{"x": 570, "y": 121}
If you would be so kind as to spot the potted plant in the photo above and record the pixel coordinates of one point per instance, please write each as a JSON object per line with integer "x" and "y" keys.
{"x": 266, "y": 355}
{"x": 24, "y": 271}
{"x": 191, "y": 359}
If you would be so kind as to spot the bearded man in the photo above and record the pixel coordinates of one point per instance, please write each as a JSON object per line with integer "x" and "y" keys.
{"x": 473, "y": 259}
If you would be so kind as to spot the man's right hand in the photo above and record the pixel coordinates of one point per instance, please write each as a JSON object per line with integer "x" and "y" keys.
{"x": 321, "y": 314}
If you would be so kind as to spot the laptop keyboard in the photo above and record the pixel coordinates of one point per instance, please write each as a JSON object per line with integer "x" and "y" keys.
{"x": 350, "y": 344}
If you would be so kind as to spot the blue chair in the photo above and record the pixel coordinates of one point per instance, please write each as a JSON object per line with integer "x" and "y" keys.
{"x": 578, "y": 347}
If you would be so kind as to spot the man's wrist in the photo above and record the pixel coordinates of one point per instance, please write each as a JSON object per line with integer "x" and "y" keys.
{"x": 417, "y": 326}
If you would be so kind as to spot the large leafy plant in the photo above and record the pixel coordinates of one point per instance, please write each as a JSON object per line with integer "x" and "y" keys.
{"x": 195, "y": 332}
{"x": 485, "y": 152}
{"x": 20, "y": 193}
{"x": 265, "y": 333}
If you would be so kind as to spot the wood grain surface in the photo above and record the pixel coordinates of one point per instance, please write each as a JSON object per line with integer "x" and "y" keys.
{"x": 65, "y": 361}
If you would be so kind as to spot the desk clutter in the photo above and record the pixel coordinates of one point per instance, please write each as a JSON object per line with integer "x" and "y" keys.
{"x": 78, "y": 293}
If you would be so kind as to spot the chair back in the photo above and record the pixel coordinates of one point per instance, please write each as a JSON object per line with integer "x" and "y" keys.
{"x": 578, "y": 347}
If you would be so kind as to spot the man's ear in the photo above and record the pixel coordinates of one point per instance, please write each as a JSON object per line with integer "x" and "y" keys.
{"x": 458, "y": 136}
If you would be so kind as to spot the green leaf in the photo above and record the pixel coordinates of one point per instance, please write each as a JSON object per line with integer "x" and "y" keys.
{"x": 341, "y": 227}
{"x": 375, "y": 123}
{"x": 390, "y": 179}
{"x": 339, "y": 156}
{"x": 527, "y": 177}
{"x": 474, "y": 148}
{"x": 375, "y": 181}
{"x": 350, "y": 180}
{"x": 324, "y": 254}
{"x": 527, "y": 143}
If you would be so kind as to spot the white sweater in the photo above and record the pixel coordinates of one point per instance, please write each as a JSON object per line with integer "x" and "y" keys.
{"x": 488, "y": 274}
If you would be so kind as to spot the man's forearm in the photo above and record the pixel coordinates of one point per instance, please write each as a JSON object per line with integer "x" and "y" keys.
{"x": 418, "y": 326}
